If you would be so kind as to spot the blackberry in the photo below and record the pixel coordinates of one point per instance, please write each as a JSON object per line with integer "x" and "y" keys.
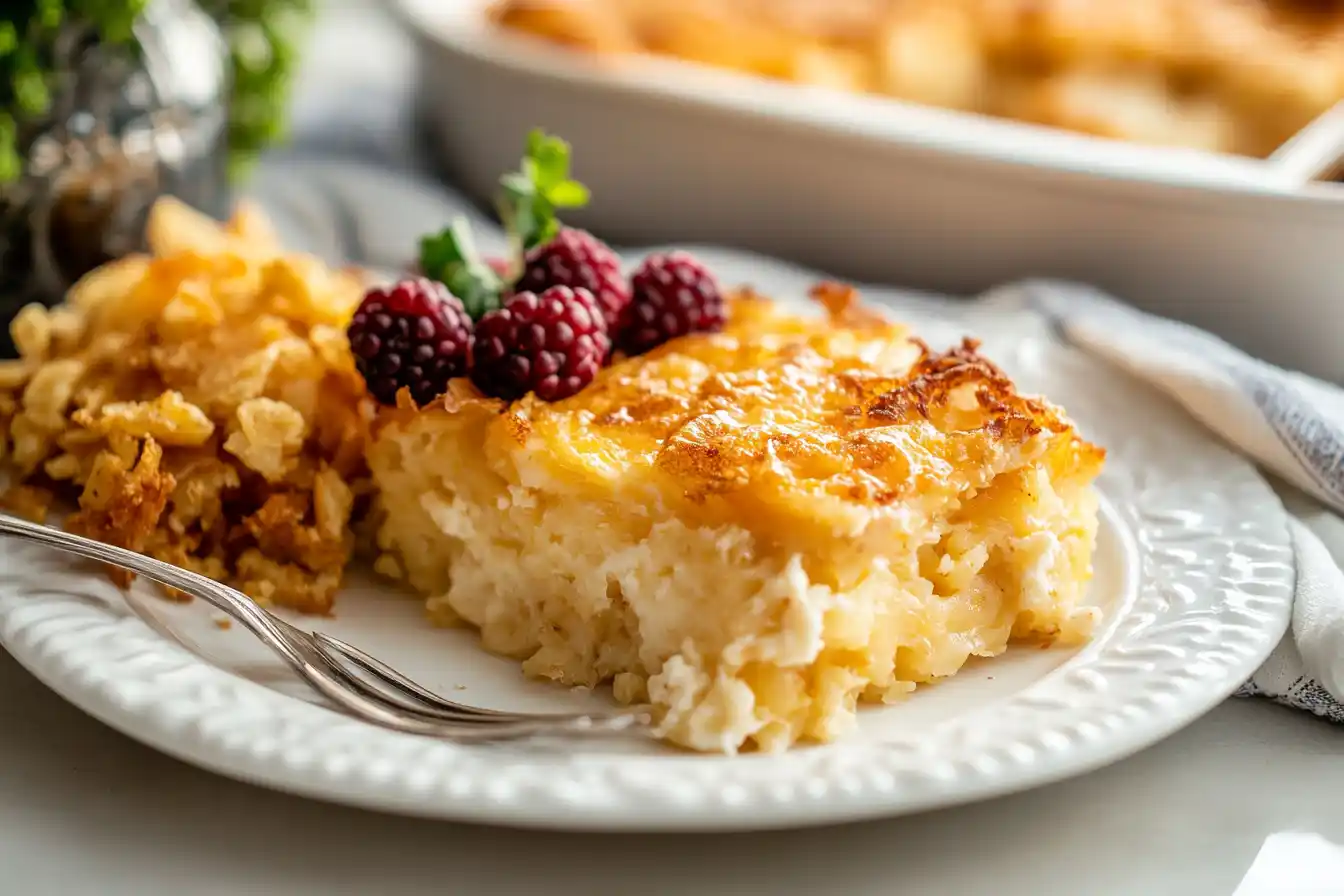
{"x": 551, "y": 344}
{"x": 579, "y": 260}
{"x": 415, "y": 335}
{"x": 674, "y": 294}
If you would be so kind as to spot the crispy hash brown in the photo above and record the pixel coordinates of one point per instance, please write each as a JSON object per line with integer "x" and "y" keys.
{"x": 1229, "y": 75}
{"x": 200, "y": 405}
{"x": 751, "y": 530}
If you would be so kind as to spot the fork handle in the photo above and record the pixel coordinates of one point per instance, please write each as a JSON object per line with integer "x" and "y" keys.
{"x": 267, "y": 629}
{"x": 222, "y": 598}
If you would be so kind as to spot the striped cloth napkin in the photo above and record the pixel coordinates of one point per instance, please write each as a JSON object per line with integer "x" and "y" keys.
{"x": 1290, "y": 425}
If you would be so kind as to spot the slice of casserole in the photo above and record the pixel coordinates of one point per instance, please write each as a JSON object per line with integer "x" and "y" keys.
{"x": 751, "y": 530}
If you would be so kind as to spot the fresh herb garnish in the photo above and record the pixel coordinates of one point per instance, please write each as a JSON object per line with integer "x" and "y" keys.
{"x": 528, "y": 201}
{"x": 450, "y": 257}
{"x": 529, "y": 198}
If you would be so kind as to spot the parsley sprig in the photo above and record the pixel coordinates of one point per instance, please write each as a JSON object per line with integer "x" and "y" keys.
{"x": 528, "y": 202}
{"x": 529, "y": 198}
{"x": 450, "y": 257}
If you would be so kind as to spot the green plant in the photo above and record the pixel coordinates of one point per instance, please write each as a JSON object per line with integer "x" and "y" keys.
{"x": 263, "y": 49}
{"x": 262, "y": 45}
{"x": 527, "y": 203}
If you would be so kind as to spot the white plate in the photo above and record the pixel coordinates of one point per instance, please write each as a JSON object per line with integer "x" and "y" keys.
{"x": 1193, "y": 572}
{"x": 878, "y": 190}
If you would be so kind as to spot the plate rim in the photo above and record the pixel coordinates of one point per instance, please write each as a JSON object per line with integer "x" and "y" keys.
{"x": 1165, "y": 668}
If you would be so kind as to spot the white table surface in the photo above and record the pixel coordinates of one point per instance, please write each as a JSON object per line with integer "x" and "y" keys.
{"x": 1248, "y": 800}
{"x": 84, "y": 810}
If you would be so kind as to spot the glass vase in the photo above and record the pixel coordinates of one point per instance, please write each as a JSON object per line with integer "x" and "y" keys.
{"x": 127, "y": 125}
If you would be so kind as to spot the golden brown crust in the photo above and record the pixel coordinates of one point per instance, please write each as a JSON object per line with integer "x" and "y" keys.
{"x": 121, "y": 504}
{"x": 1231, "y": 75}
{"x": 844, "y": 307}
{"x": 840, "y": 414}
{"x": 29, "y": 502}
{"x": 201, "y": 405}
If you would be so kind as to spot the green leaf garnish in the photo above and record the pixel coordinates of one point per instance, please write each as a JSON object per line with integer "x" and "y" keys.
{"x": 570, "y": 194}
{"x": 530, "y": 197}
{"x": 450, "y": 257}
{"x": 528, "y": 201}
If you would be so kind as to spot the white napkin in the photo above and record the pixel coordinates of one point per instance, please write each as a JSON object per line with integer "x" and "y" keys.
{"x": 1291, "y": 425}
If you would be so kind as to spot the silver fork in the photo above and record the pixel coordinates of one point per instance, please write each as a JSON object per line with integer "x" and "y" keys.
{"x": 323, "y": 662}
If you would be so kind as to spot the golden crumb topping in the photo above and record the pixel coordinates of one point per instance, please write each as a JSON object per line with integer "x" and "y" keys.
{"x": 809, "y": 426}
{"x": 201, "y": 406}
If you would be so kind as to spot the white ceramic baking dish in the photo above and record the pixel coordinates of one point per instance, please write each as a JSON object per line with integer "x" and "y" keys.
{"x": 884, "y": 191}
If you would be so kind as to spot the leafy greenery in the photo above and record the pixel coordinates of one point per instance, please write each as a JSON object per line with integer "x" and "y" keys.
{"x": 262, "y": 43}
{"x": 450, "y": 257}
{"x": 529, "y": 198}
{"x": 528, "y": 201}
